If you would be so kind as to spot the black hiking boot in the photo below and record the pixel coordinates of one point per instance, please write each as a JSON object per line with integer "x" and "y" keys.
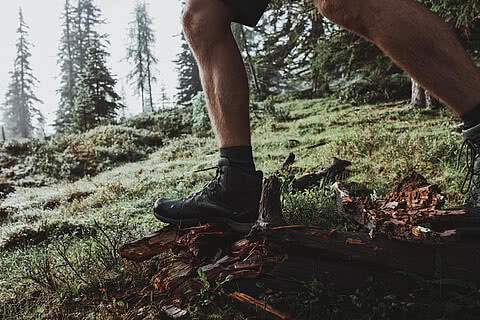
{"x": 233, "y": 197}
{"x": 471, "y": 183}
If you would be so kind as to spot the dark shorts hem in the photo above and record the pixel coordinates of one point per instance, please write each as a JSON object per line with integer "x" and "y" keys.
{"x": 248, "y": 12}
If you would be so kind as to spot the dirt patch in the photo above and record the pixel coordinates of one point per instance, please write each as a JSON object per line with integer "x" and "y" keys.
{"x": 31, "y": 237}
{"x": 5, "y": 189}
{"x": 54, "y": 203}
{"x": 4, "y": 213}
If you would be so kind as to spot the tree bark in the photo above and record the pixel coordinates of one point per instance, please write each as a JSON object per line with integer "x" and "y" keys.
{"x": 421, "y": 98}
{"x": 320, "y": 87}
{"x": 250, "y": 62}
{"x": 418, "y": 99}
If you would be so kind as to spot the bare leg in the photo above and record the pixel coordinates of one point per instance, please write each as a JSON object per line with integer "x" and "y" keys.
{"x": 417, "y": 41}
{"x": 224, "y": 79}
{"x": 233, "y": 196}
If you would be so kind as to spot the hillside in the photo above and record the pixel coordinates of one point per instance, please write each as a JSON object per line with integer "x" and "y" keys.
{"x": 81, "y": 197}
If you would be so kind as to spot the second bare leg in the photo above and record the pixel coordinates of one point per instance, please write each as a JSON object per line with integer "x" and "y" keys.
{"x": 416, "y": 40}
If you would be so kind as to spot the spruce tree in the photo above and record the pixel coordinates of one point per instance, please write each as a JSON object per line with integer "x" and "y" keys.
{"x": 123, "y": 104}
{"x": 189, "y": 83}
{"x": 68, "y": 69}
{"x": 80, "y": 22}
{"x": 164, "y": 99}
{"x": 140, "y": 54}
{"x": 88, "y": 18}
{"x": 96, "y": 102}
{"x": 20, "y": 114}
{"x": 279, "y": 53}
{"x": 83, "y": 115}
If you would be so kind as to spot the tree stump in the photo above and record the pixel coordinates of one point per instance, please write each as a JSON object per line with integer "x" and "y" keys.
{"x": 269, "y": 210}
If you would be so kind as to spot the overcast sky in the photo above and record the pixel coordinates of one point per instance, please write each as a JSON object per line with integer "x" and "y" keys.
{"x": 43, "y": 19}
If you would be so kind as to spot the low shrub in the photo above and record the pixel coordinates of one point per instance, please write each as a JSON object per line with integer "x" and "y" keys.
{"x": 69, "y": 157}
{"x": 373, "y": 89}
{"x": 169, "y": 123}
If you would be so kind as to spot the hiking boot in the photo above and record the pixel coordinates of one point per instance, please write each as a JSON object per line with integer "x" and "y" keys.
{"x": 232, "y": 197}
{"x": 471, "y": 183}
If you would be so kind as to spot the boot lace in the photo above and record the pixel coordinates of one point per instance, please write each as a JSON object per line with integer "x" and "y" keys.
{"x": 210, "y": 188}
{"x": 471, "y": 150}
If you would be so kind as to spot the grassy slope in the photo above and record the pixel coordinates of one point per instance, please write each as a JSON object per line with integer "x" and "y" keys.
{"x": 58, "y": 243}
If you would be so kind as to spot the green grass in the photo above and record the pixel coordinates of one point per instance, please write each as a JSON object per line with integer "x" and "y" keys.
{"x": 58, "y": 242}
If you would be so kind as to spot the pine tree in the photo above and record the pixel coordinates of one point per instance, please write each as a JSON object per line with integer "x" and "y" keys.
{"x": 20, "y": 113}
{"x": 83, "y": 115}
{"x": 68, "y": 70}
{"x": 80, "y": 22}
{"x": 140, "y": 54}
{"x": 88, "y": 18}
{"x": 164, "y": 99}
{"x": 189, "y": 83}
{"x": 123, "y": 105}
{"x": 278, "y": 53}
{"x": 97, "y": 101}
{"x": 10, "y": 110}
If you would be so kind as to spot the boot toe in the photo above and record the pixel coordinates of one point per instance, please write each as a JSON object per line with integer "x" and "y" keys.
{"x": 165, "y": 207}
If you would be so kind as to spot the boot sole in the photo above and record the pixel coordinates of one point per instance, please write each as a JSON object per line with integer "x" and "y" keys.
{"x": 242, "y": 227}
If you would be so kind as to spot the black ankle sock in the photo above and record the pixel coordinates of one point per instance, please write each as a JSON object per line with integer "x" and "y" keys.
{"x": 471, "y": 118}
{"x": 240, "y": 157}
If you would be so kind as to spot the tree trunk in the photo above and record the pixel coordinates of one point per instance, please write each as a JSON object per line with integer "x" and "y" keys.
{"x": 421, "y": 98}
{"x": 320, "y": 87}
{"x": 141, "y": 70}
{"x": 149, "y": 78}
{"x": 418, "y": 99}
{"x": 250, "y": 63}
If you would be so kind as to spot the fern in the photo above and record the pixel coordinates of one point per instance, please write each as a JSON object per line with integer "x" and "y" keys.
{"x": 462, "y": 284}
{"x": 440, "y": 269}
{"x": 415, "y": 277}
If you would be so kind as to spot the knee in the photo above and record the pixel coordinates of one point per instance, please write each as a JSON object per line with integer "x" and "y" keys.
{"x": 204, "y": 20}
{"x": 194, "y": 15}
{"x": 349, "y": 14}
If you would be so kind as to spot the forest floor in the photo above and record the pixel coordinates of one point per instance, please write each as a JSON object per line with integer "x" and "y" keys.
{"x": 59, "y": 240}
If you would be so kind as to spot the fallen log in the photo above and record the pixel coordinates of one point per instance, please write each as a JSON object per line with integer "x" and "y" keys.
{"x": 288, "y": 162}
{"x": 286, "y": 256}
{"x": 293, "y": 255}
{"x": 322, "y": 178}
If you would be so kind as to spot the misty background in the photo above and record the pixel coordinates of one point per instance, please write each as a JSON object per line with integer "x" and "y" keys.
{"x": 43, "y": 19}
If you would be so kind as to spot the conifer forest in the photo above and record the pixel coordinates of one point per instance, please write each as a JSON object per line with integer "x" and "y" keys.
{"x": 370, "y": 181}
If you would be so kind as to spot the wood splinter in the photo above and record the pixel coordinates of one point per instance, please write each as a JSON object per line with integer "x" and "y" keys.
{"x": 257, "y": 304}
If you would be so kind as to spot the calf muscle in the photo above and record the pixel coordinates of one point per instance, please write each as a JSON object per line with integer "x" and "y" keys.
{"x": 417, "y": 41}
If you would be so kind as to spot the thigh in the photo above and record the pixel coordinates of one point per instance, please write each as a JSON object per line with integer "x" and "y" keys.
{"x": 248, "y": 12}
